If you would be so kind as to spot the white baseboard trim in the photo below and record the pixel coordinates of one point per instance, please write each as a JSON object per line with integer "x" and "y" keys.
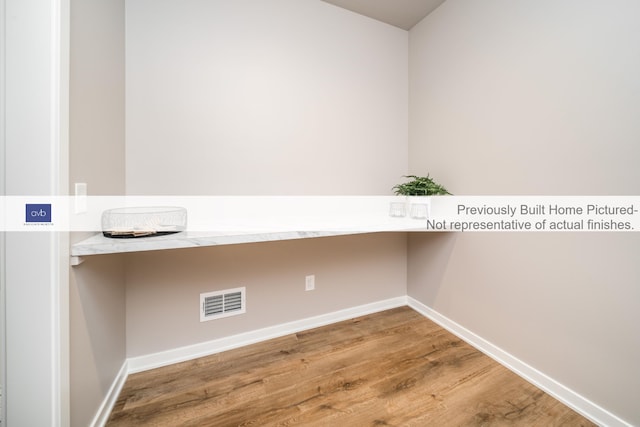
{"x": 565, "y": 395}
{"x": 155, "y": 360}
{"x": 109, "y": 401}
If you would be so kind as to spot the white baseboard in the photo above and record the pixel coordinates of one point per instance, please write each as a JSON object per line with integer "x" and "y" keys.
{"x": 565, "y": 395}
{"x": 155, "y": 360}
{"x": 109, "y": 401}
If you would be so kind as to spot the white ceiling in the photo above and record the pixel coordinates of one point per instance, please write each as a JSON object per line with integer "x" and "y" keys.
{"x": 400, "y": 13}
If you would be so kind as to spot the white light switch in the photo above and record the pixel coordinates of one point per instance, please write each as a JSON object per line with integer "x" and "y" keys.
{"x": 80, "y": 201}
{"x": 310, "y": 283}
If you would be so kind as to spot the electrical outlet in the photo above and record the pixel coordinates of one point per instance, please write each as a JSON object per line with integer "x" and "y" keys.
{"x": 310, "y": 283}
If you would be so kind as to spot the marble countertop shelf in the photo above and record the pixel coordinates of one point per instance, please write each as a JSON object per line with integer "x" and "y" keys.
{"x": 101, "y": 245}
{"x": 229, "y": 221}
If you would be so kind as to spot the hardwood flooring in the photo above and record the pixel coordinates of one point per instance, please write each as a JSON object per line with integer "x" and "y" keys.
{"x": 394, "y": 368}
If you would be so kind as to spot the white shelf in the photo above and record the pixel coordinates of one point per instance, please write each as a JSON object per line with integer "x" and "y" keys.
{"x": 228, "y": 221}
{"x": 100, "y": 245}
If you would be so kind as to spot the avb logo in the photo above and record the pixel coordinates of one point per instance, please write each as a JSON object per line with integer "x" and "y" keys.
{"x": 38, "y": 213}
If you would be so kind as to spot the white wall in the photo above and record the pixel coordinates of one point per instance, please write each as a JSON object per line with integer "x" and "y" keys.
{"x": 97, "y": 95}
{"x": 98, "y": 333}
{"x": 96, "y": 157}
{"x": 515, "y": 97}
{"x": 163, "y": 288}
{"x": 263, "y": 97}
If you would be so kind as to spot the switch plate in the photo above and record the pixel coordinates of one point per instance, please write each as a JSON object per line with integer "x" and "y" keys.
{"x": 80, "y": 200}
{"x": 309, "y": 283}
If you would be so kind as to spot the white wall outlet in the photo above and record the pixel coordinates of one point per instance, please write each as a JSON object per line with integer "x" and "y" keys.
{"x": 309, "y": 283}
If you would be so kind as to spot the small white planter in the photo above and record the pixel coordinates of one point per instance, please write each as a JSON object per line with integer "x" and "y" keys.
{"x": 418, "y": 207}
{"x": 398, "y": 209}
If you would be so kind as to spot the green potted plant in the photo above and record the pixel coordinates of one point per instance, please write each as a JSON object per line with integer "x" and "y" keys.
{"x": 415, "y": 190}
{"x": 420, "y": 186}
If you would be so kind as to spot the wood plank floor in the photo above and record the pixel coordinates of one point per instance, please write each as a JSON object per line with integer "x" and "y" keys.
{"x": 394, "y": 368}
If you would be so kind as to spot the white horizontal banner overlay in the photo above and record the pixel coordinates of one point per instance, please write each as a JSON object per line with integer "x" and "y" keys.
{"x": 143, "y": 216}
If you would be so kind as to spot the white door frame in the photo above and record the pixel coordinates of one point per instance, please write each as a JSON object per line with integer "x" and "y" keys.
{"x": 35, "y": 282}
{"x": 3, "y": 356}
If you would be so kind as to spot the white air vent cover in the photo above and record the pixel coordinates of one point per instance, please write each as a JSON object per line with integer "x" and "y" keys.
{"x": 219, "y": 304}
